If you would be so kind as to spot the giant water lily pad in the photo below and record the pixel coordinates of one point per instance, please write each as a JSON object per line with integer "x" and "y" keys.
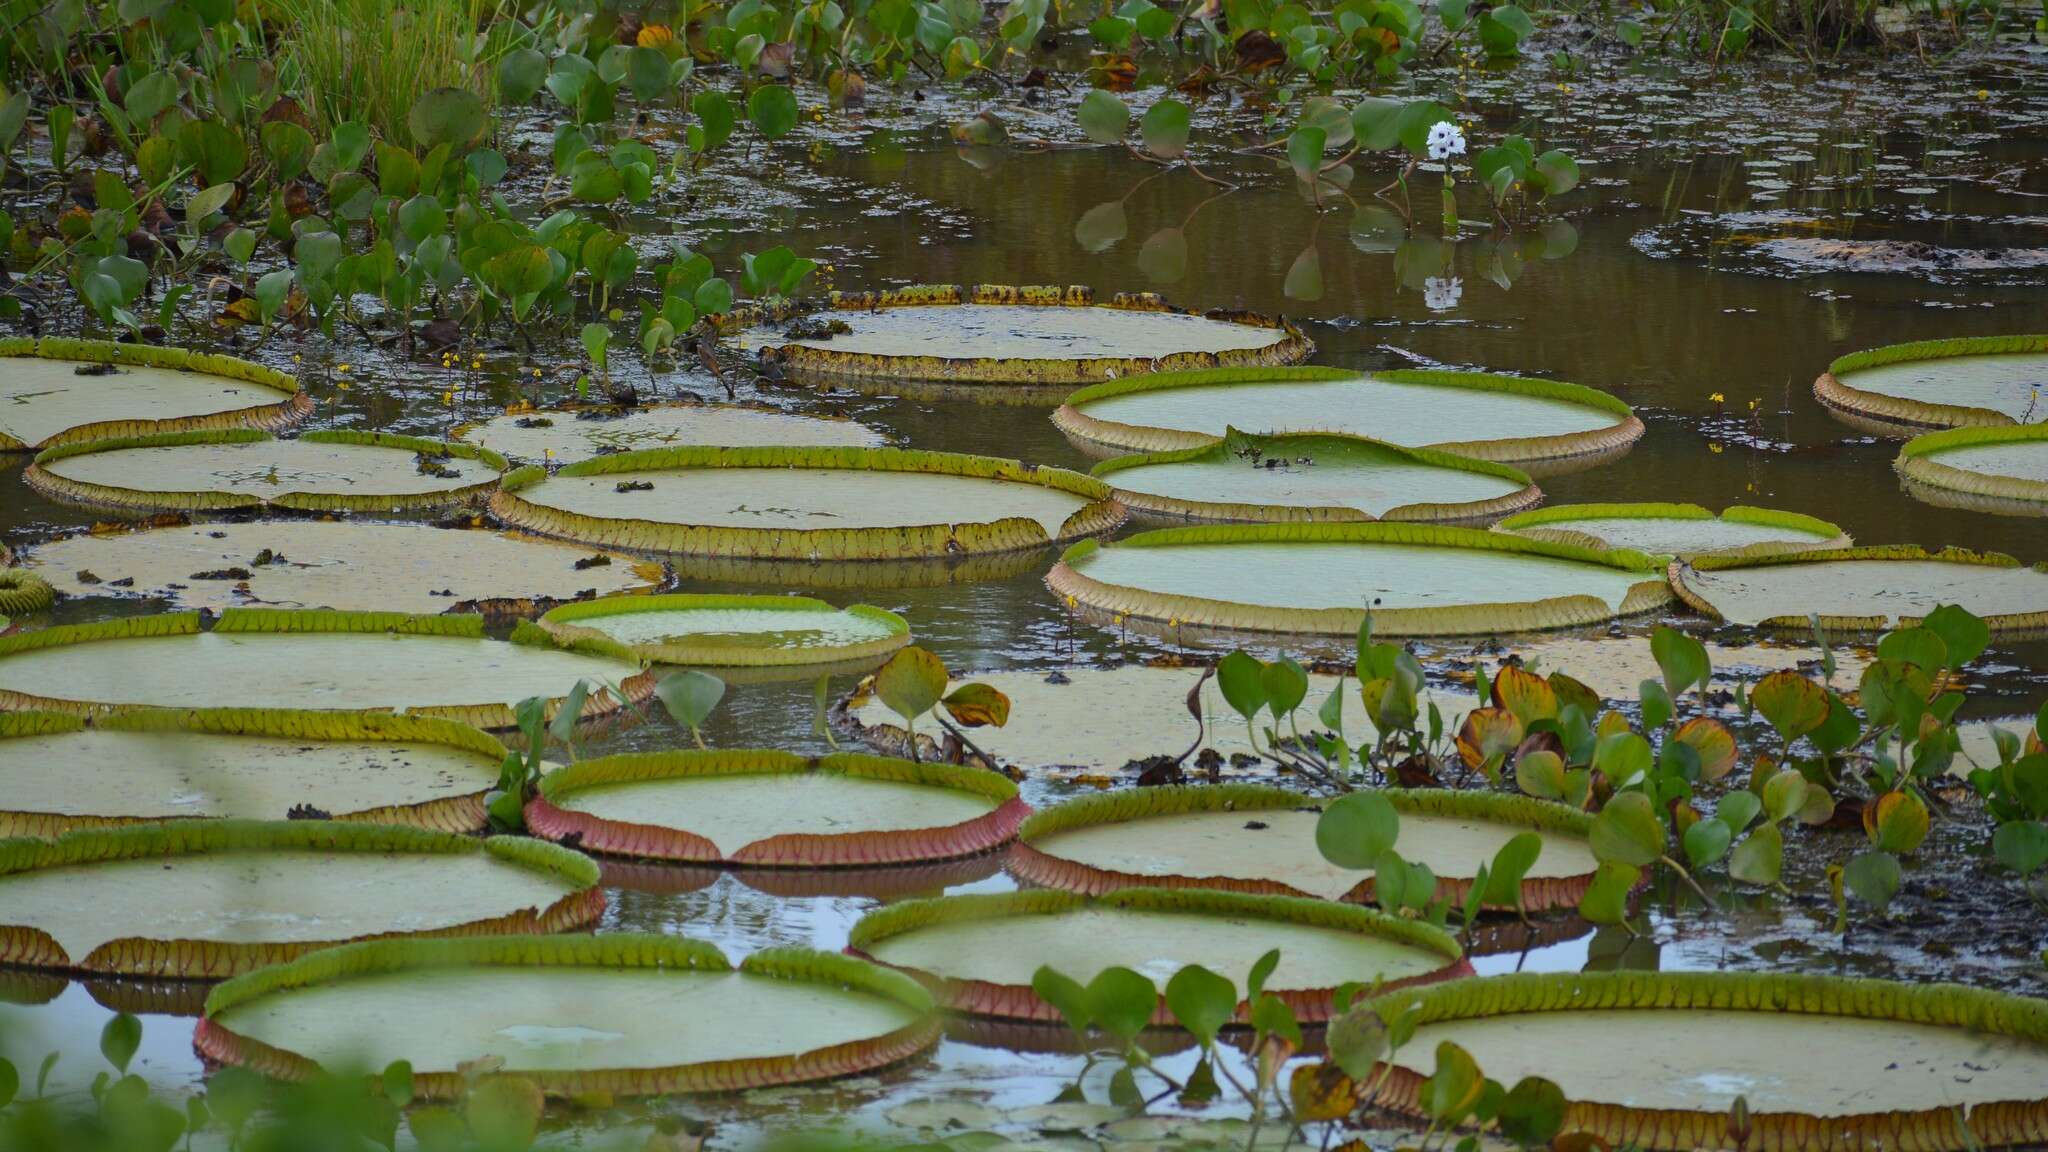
{"x": 1316, "y": 477}
{"x": 1658, "y": 1060}
{"x": 1016, "y": 336}
{"x": 1865, "y": 589}
{"x": 210, "y": 899}
{"x": 59, "y": 391}
{"x": 808, "y": 503}
{"x": 1319, "y": 579}
{"x": 65, "y": 772}
{"x": 1677, "y": 529}
{"x": 1538, "y": 425}
{"x": 776, "y": 809}
{"x": 620, "y": 1013}
{"x": 734, "y": 631}
{"x": 2002, "y": 469}
{"x": 1099, "y": 720}
{"x": 978, "y": 952}
{"x": 346, "y": 565}
{"x": 339, "y": 661}
{"x": 1259, "y": 839}
{"x": 567, "y": 435}
{"x": 1902, "y": 388}
{"x": 331, "y": 471}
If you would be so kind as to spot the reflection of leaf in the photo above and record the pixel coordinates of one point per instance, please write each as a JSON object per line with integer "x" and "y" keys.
{"x": 1305, "y": 276}
{"x": 1164, "y": 256}
{"x": 1560, "y": 239}
{"x": 1101, "y": 227}
{"x": 1376, "y": 229}
{"x": 1417, "y": 259}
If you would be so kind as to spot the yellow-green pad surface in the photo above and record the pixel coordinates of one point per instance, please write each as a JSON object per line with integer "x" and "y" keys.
{"x": 1411, "y": 415}
{"x": 1025, "y": 332}
{"x": 1082, "y": 942}
{"x": 2023, "y": 461}
{"x": 269, "y": 469}
{"x": 781, "y": 629}
{"x": 1374, "y": 487}
{"x": 806, "y": 498}
{"x": 270, "y": 896}
{"x": 1221, "y": 844}
{"x": 40, "y": 398}
{"x": 1880, "y": 588}
{"x": 168, "y": 775}
{"x": 1671, "y": 536}
{"x": 2010, "y": 383}
{"x": 345, "y": 565}
{"x": 330, "y": 670}
{"x": 735, "y": 811}
{"x": 1353, "y": 575}
{"x": 1778, "y": 1062}
{"x": 566, "y": 1018}
{"x": 572, "y": 436}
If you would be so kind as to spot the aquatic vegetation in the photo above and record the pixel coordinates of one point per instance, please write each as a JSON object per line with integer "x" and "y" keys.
{"x": 64, "y": 391}
{"x": 1323, "y": 579}
{"x": 567, "y": 435}
{"x": 642, "y": 1020}
{"x": 67, "y": 773}
{"x": 344, "y": 565}
{"x": 203, "y": 900}
{"x": 1202, "y": 838}
{"x": 979, "y": 953}
{"x": 1314, "y": 478}
{"x": 433, "y": 666}
{"x": 327, "y": 471}
{"x": 1864, "y": 589}
{"x": 1997, "y": 469}
{"x": 774, "y": 809}
{"x": 1540, "y": 425}
{"x": 1030, "y": 335}
{"x": 1904, "y": 388}
{"x": 23, "y": 592}
{"x": 767, "y": 503}
{"x": 728, "y": 632}
{"x": 1789, "y": 1060}
{"x": 913, "y": 684}
{"x": 1677, "y": 529}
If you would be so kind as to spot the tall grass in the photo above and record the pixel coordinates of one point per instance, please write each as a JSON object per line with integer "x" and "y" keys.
{"x": 369, "y": 60}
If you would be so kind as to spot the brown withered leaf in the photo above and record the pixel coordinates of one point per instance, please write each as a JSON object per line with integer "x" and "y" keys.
{"x": 1257, "y": 52}
{"x": 1116, "y": 73}
{"x": 1322, "y": 1092}
{"x": 974, "y": 705}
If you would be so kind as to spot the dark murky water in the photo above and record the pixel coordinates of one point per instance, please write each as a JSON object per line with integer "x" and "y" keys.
{"x": 1658, "y": 280}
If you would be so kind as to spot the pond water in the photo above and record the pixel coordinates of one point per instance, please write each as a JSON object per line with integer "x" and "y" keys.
{"x": 1678, "y": 278}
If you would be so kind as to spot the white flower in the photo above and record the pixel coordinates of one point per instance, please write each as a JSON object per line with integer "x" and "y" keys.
{"x": 1440, "y": 293}
{"x": 1445, "y": 140}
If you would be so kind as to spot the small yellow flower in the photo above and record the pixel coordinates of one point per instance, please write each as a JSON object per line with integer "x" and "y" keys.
{"x": 342, "y": 367}
{"x": 536, "y": 373}
{"x": 1717, "y": 398}
{"x": 1714, "y": 448}
{"x": 295, "y": 357}
{"x": 1752, "y": 405}
{"x": 549, "y": 452}
{"x": 1983, "y": 93}
{"x": 448, "y": 398}
{"x": 476, "y": 363}
{"x": 1070, "y": 601}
